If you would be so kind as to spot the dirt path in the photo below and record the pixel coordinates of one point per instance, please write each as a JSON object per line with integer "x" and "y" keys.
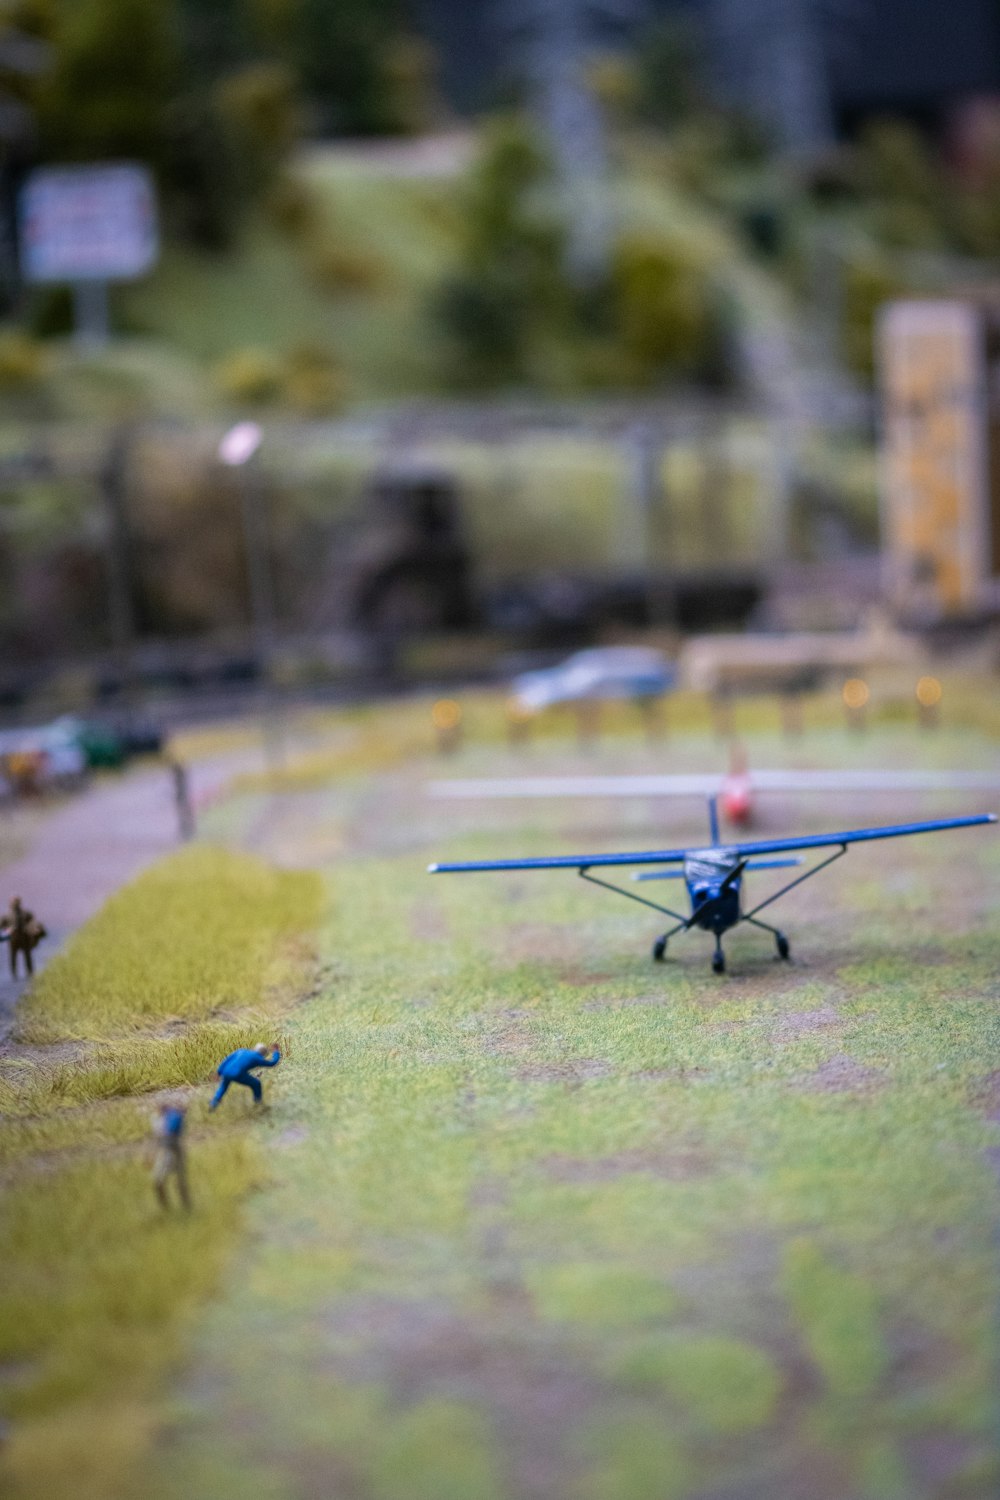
{"x": 87, "y": 849}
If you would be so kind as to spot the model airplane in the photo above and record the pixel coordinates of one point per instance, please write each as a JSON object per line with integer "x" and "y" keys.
{"x": 714, "y": 875}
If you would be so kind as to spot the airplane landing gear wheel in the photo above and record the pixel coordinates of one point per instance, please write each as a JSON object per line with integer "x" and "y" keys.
{"x": 660, "y": 950}
{"x": 718, "y": 962}
{"x": 784, "y": 948}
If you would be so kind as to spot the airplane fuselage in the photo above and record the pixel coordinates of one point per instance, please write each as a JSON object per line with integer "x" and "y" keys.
{"x": 712, "y": 888}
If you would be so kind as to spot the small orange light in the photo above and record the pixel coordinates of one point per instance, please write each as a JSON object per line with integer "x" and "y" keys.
{"x": 928, "y": 692}
{"x": 446, "y": 714}
{"x": 855, "y": 693}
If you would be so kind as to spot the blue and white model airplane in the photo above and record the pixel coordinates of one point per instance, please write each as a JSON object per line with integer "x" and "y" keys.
{"x": 714, "y": 875}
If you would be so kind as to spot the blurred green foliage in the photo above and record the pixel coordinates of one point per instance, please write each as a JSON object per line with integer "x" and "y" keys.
{"x": 357, "y": 65}
{"x": 314, "y": 383}
{"x": 308, "y": 379}
{"x": 114, "y": 71}
{"x": 513, "y": 313}
{"x": 894, "y": 162}
{"x": 408, "y": 72}
{"x": 978, "y": 217}
{"x": 671, "y": 72}
{"x": 509, "y": 289}
{"x": 291, "y": 208}
{"x": 22, "y": 360}
{"x": 897, "y": 172}
{"x": 213, "y": 93}
{"x": 202, "y": 175}
{"x": 334, "y": 268}
{"x": 259, "y": 107}
{"x": 249, "y": 377}
{"x": 868, "y": 282}
{"x": 662, "y": 307}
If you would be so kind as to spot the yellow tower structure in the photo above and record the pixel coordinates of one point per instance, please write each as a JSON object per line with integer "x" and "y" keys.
{"x": 940, "y": 458}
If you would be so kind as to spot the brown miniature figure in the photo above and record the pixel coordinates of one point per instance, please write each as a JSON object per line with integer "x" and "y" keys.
{"x": 171, "y": 1161}
{"x": 23, "y": 932}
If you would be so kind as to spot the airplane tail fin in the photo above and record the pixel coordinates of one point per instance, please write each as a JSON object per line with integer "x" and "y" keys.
{"x": 713, "y": 819}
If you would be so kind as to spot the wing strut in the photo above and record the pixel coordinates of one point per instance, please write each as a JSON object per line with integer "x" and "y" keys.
{"x": 584, "y": 873}
{"x": 748, "y": 916}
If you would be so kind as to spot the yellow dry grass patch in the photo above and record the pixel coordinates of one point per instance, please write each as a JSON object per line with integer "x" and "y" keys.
{"x": 201, "y": 932}
{"x": 198, "y": 956}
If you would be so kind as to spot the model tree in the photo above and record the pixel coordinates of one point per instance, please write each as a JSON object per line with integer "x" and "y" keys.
{"x": 556, "y": 41}
{"x": 770, "y": 57}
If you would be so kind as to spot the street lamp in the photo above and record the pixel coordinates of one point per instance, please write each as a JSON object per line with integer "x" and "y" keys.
{"x": 236, "y": 450}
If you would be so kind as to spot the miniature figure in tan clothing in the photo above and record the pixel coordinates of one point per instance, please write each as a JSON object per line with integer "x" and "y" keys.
{"x": 171, "y": 1160}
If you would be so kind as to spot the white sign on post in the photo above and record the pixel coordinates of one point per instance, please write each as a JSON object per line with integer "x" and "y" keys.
{"x": 88, "y": 223}
{"x": 88, "y": 226}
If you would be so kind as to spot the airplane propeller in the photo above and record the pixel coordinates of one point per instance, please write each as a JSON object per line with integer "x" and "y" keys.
{"x": 716, "y": 901}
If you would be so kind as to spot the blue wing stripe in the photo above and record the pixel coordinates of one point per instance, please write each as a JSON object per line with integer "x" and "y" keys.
{"x": 673, "y": 856}
{"x": 564, "y": 862}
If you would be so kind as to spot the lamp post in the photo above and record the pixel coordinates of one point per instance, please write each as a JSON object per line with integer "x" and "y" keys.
{"x": 557, "y": 39}
{"x": 237, "y": 450}
{"x": 113, "y": 482}
{"x": 646, "y": 446}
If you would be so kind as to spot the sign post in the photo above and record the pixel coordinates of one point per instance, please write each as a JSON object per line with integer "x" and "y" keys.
{"x": 90, "y": 313}
{"x": 85, "y": 227}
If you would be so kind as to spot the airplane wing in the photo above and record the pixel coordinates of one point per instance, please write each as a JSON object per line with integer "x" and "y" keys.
{"x": 674, "y": 856}
{"x": 856, "y": 835}
{"x": 898, "y": 780}
{"x": 564, "y": 862}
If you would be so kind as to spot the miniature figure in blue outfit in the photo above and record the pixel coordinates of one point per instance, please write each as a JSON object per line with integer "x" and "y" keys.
{"x": 238, "y": 1068}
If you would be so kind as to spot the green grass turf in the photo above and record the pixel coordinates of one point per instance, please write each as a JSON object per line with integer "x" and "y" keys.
{"x": 549, "y": 1221}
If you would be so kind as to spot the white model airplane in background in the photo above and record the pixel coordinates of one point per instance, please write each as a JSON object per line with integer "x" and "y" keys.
{"x": 736, "y": 790}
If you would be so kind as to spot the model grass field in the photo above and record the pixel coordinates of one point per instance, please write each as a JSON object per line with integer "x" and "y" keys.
{"x": 537, "y": 1217}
